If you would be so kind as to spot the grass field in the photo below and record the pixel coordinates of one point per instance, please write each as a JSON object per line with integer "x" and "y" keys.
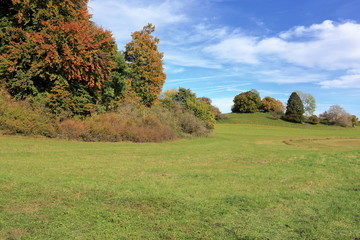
{"x": 256, "y": 178}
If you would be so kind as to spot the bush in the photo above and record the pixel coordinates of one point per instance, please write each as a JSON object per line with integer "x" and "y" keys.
{"x": 114, "y": 127}
{"x": 131, "y": 122}
{"x": 276, "y": 115}
{"x": 200, "y": 107}
{"x": 314, "y": 119}
{"x": 19, "y": 117}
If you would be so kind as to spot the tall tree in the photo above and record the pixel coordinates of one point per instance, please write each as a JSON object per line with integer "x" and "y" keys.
{"x": 51, "y": 48}
{"x": 294, "y": 109}
{"x": 247, "y": 102}
{"x": 147, "y": 75}
{"x": 308, "y": 101}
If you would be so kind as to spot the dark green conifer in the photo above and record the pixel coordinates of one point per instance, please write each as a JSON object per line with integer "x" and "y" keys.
{"x": 294, "y": 109}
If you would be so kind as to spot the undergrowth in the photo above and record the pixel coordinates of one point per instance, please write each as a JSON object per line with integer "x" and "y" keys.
{"x": 131, "y": 122}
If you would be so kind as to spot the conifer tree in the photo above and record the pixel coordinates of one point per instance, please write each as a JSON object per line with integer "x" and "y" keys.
{"x": 294, "y": 109}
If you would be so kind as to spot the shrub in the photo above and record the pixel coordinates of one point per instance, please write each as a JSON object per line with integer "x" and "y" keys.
{"x": 276, "y": 115}
{"x": 114, "y": 127}
{"x": 201, "y": 108}
{"x": 314, "y": 119}
{"x": 19, "y": 117}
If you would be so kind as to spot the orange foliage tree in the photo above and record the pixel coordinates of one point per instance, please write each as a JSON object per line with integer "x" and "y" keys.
{"x": 269, "y": 104}
{"x": 146, "y": 66}
{"x": 50, "y": 49}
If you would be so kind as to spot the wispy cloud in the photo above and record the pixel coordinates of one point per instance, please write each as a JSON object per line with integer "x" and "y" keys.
{"x": 346, "y": 81}
{"x": 329, "y": 46}
{"x": 125, "y": 17}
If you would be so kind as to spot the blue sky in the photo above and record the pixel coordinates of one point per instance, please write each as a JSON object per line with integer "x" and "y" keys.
{"x": 220, "y": 48}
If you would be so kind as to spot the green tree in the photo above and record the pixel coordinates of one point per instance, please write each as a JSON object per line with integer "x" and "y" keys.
{"x": 294, "y": 109}
{"x": 308, "y": 101}
{"x": 114, "y": 88}
{"x": 246, "y": 102}
{"x": 145, "y": 61}
{"x": 201, "y": 108}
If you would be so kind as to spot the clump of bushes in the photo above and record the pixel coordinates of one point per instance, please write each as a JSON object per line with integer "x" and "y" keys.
{"x": 200, "y": 107}
{"x": 114, "y": 127}
{"x": 130, "y": 122}
{"x": 20, "y": 117}
{"x": 314, "y": 119}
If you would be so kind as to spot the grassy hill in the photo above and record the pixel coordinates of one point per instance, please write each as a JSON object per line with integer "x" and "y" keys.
{"x": 256, "y": 178}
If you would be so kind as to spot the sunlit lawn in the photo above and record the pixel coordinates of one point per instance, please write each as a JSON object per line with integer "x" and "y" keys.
{"x": 257, "y": 178}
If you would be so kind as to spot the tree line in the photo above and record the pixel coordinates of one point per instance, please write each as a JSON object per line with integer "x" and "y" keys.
{"x": 64, "y": 67}
{"x": 300, "y": 108}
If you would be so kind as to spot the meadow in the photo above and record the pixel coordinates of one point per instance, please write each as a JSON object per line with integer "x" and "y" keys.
{"x": 256, "y": 178}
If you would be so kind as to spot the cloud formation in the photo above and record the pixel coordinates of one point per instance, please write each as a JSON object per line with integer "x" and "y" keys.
{"x": 329, "y": 46}
{"x": 124, "y": 17}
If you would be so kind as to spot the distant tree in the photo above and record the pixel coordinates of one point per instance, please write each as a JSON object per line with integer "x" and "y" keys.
{"x": 182, "y": 94}
{"x": 338, "y": 116}
{"x": 294, "y": 109}
{"x": 308, "y": 101}
{"x": 269, "y": 104}
{"x": 354, "y": 121}
{"x": 147, "y": 75}
{"x": 246, "y": 102}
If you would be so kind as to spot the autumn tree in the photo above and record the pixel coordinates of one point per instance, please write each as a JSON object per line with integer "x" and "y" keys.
{"x": 146, "y": 66}
{"x": 354, "y": 121}
{"x": 269, "y": 104}
{"x": 51, "y": 49}
{"x": 294, "y": 109}
{"x": 308, "y": 101}
{"x": 246, "y": 102}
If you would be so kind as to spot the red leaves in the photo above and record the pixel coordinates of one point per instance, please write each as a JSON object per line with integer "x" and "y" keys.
{"x": 53, "y": 42}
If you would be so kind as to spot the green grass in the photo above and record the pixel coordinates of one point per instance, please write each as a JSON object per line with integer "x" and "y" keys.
{"x": 257, "y": 178}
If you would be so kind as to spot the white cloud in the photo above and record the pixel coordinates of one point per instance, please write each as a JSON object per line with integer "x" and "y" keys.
{"x": 224, "y": 104}
{"x": 124, "y": 17}
{"x": 326, "y": 46}
{"x": 346, "y": 81}
{"x": 237, "y": 50}
{"x": 186, "y": 59}
{"x": 290, "y": 75}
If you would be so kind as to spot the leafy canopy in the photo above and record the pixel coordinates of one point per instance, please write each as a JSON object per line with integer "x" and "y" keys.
{"x": 51, "y": 49}
{"x": 247, "y": 102}
{"x": 146, "y": 66}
